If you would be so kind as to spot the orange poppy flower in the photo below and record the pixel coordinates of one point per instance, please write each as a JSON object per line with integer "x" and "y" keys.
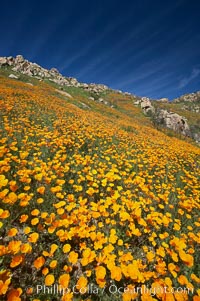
{"x": 14, "y": 295}
{"x": 39, "y": 262}
{"x": 49, "y": 279}
{"x": 16, "y": 260}
{"x": 64, "y": 280}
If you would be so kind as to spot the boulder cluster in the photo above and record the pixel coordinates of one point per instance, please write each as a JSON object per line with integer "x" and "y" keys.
{"x": 164, "y": 118}
{"x": 173, "y": 121}
{"x": 21, "y": 65}
{"x": 145, "y": 105}
{"x": 191, "y": 97}
{"x": 163, "y": 100}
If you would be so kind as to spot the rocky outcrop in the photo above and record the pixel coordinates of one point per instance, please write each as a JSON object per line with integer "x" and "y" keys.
{"x": 191, "y": 97}
{"x": 21, "y": 65}
{"x": 193, "y": 108}
{"x": 190, "y": 102}
{"x": 125, "y": 93}
{"x": 145, "y": 105}
{"x": 95, "y": 88}
{"x": 163, "y": 100}
{"x": 6, "y": 61}
{"x": 173, "y": 121}
{"x": 163, "y": 118}
{"x": 3, "y": 61}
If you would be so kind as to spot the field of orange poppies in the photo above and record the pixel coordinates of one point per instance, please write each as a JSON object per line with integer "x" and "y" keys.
{"x": 94, "y": 205}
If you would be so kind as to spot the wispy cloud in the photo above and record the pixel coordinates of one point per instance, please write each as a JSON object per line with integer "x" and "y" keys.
{"x": 186, "y": 80}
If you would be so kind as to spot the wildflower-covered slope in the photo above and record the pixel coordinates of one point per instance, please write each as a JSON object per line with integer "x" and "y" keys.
{"x": 93, "y": 196}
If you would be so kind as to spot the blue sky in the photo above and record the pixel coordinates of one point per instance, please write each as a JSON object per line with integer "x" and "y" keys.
{"x": 149, "y": 48}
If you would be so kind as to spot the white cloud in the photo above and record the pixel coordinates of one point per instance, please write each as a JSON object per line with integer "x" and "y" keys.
{"x": 186, "y": 80}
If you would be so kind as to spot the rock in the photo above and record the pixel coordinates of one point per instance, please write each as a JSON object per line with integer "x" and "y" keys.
{"x": 95, "y": 88}
{"x": 91, "y": 98}
{"x": 30, "y": 73}
{"x": 145, "y": 105}
{"x": 173, "y": 121}
{"x": 84, "y": 105}
{"x": 86, "y": 86}
{"x": 54, "y": 71}
{"x": 164, "y": 100}
{"x": 63, "y": 93}
{"x": 73, "y": 81}
{"x": 13, "y": 76}
{"x": 19, "y": 59}
{"x": 3, "y": 61}
{"x": 6, "y": 61}
{"x": 196, "y": 137}
{"x": 137, "y": 102}
{"x": 101, "y": 100}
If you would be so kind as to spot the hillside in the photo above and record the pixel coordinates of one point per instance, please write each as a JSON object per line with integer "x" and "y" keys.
{"x": 94, "y": 198}
{"x": 179, "y": 117}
